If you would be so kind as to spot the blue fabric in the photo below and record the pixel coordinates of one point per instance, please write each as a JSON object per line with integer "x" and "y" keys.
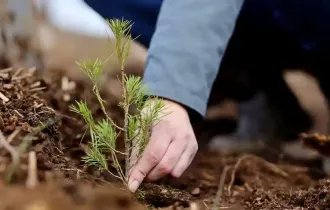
{"x": 306, "y": 20}
{"x": 143, "y": 13}
{"x": 287, "y": 28}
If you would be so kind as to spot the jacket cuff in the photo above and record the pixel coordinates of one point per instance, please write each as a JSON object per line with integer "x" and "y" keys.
{"x": 194, "y": 104}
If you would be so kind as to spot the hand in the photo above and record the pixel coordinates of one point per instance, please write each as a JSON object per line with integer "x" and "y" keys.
{"x": 171, "y": 148}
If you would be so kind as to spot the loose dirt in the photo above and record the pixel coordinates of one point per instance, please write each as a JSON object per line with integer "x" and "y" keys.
{"x": 234, "y": 181}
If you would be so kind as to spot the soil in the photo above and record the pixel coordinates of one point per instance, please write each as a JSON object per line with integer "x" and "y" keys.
{"x": 248, "y": 181}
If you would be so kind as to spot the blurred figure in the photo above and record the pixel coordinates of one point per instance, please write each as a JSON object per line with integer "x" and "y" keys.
{"x": 74, "y": 16}
{"x": 57, "y": 33}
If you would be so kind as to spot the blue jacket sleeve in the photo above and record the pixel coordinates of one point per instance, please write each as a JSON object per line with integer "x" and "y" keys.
{"x": 187, "y": 47}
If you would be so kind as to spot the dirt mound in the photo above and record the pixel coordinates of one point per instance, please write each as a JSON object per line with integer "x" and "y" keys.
{"x": 316, "y": 197}
{"x": 66, "y": 196}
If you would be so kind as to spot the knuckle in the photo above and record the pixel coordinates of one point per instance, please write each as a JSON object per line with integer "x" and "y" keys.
{"x": 195, "y": 146}
{"x": 141, "y": 172}
{"x": 188, "y": 136}
{"x": 152, "y": 157}
{"x": 164, "y": 169}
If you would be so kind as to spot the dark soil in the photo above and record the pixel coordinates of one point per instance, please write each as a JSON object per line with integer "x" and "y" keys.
{"x": 251, "y": 182}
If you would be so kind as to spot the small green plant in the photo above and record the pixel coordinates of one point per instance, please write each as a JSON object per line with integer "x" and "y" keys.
{"x": 135, "y": 100}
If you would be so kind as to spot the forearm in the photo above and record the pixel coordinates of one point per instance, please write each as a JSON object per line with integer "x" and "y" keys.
{"x": 185, "y": 52}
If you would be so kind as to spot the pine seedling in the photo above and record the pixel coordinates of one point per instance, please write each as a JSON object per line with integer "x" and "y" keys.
{"x": 137, "y": 125}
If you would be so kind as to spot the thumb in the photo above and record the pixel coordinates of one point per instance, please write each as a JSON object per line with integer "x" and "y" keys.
{"x": 152, "y": 155}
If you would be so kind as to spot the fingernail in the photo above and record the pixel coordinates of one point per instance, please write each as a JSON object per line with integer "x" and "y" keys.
{"x": 133, "y": 185}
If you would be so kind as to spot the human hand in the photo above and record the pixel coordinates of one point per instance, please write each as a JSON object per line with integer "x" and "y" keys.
{"x": 171, "y": 148}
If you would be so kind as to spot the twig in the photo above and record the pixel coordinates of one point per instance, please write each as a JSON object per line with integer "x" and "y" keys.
{"x": 17, "y": 72}
{"x": 37, "y": 89}
{"x": 2, "y": 124}
{"x": 248, "y": 187}
{"x": 269, "y": 165}
{"x": 205, "y": 204}
{"x": 32, "y": 178}
{"x": 21, "y": 77}
{"x": 37, "y": 106}
{"x": 36, "y": 84}
{"x": 18, "y": 113}
{"x": 3, "y": 97}
{"x": 217, "y": 199}
{"x": 13, "y": 135}
{"x": 26, "y": 141}
{"x": 119, "y": 169}
{"x": 13, "y": 153}
{"x": 99, "y": 98}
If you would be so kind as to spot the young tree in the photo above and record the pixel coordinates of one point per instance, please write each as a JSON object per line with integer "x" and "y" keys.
{"x": 137, "y": 123}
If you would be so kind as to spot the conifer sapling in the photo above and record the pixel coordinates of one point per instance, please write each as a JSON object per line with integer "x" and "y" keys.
{"x": 139, "y": 114}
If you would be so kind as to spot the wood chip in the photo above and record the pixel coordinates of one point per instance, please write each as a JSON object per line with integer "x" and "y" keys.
{"x": 194, "y": 206}
{"x": 65, "y": 83}
{"x": 32, "y": 70}
{"x": 196, "y": 192}
{"x": 32, "y": 179}
{"x": 18, "y": 71}
{"x": 8, "y": 86}
{"x": 6, "y": 70}
{"x": 20, "y": 77}
{"x": 37, "y": 106}
{"x": 36, "y": 84}
{"x": 37, "y": 89}
{"x": 4, "y": 75}
{"x": 3, "y": 97}
{"x": 66, "y": 97}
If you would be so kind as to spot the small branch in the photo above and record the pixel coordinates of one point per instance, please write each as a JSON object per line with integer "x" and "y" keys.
{"x": 118, "y": 168}
{"x": 217, "y": 200}
{"x": 37, "y": 89}
{"x": 99, "y": 98}
{"x": 18, "y": 71}
{"x": 35, "y": 85}
{"x": 269, "y": 165}
{"x": 21, "y": 77}
{"x": 13, "y": 135}
{"x": 114, "y": 175}
{"x": 18, "y": 113}
{"x": 13, "y": 153}
{"x": 32, "y": 177}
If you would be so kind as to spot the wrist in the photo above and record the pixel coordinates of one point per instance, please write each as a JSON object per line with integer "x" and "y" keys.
{"x": 174, "y": 105}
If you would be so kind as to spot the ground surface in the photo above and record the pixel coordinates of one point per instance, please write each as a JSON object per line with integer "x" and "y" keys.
{"x": 235, "y": 181}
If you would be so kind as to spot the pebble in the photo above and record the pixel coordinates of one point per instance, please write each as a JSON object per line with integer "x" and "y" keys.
{"x": 196, "y": 192}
